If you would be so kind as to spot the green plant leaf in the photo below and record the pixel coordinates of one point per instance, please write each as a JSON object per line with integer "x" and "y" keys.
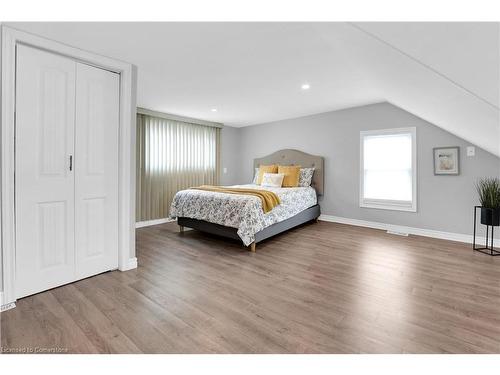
{"x": 488, "y": 189}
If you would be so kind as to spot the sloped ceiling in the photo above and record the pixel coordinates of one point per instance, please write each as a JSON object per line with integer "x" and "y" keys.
{"x": 465, "y": 53}
{"x": 449, "y": 75}
{"x": 445, "y": 73}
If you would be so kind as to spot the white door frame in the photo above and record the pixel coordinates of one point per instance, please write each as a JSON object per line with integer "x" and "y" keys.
{"x": 126, "y": 191}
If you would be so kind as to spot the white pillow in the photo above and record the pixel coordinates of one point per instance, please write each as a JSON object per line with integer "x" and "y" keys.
{"x": 272, "y": 179}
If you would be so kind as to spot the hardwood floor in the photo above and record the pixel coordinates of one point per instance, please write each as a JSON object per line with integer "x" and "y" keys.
{"x": 320, "y": 288}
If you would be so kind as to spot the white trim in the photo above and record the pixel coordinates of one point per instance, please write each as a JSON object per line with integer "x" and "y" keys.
{"x": 126, "y": 233}
{"x": 401, "y": 229}
{"x": 168, "y": 116}
{"x": 148, "y": 223}
{"x": 131, "y": 264}
{"x": 383, "y": 203}
{"x": 7, "y": 306}
{"x": 404, "y": 234}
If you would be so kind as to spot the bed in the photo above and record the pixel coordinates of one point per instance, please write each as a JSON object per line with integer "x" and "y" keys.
{"x": 241, "y": 217}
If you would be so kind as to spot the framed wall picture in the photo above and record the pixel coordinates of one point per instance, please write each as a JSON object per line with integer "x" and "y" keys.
{"x": 447, "y": 161}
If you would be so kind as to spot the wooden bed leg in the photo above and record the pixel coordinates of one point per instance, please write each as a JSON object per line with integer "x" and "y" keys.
{"x": 252, "y": 247}
{"x": 181, "y": 228}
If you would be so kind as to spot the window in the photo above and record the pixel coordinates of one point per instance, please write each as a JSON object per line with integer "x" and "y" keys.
{"x": 172, "y": 155}
{"x": 388, "y": 169}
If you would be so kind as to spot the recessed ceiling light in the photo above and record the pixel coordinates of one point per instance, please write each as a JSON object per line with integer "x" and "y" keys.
{"x": 305, "y": 86}
{"x": 214, "y": 109}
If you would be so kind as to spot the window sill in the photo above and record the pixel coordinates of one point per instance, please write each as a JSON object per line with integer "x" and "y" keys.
{"x": 393, "y": 206}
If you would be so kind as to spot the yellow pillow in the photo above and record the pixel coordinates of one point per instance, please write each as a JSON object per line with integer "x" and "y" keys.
{"x": 266, "y": 169}
{"x": 292, "y": 174}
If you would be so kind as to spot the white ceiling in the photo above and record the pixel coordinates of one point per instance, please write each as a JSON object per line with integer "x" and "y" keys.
{"x": 446, "y": 73}
{"x": 465, "y": 52}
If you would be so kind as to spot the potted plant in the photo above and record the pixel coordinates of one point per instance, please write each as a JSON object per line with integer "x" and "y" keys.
{"x": 489, "y": 196}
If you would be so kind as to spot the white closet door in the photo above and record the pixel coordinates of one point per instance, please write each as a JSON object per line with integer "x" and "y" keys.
{"x": 44, "y": 197}
{"x": 96, "y": 170}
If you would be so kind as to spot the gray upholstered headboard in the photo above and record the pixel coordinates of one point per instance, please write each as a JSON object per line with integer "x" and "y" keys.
{"x": 296, "y": 157}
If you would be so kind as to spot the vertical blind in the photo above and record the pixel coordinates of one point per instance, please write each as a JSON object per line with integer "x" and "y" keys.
{"x": 171, "y": 156}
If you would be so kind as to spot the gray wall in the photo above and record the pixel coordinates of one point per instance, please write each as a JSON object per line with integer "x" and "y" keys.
{"x": 230, "y": 155}
{"x": 444, "y": 202}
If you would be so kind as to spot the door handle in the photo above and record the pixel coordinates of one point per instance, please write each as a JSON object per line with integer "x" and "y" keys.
{"x": 71, "y": 162}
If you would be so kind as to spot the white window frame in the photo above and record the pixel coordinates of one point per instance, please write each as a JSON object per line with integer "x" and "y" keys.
{"x": 386, "y": 204}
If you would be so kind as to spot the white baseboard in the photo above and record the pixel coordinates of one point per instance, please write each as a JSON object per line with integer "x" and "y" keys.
{"x": 7, "y": 306}
{"x": 459, "y": 237}
{"x": 148, "y": 223}
{"x": 131, "y": 264}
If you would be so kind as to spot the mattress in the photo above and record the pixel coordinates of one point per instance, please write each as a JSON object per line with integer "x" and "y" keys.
{"x": 241, "y": 211}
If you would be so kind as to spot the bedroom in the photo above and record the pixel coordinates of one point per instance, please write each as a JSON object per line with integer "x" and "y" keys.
{"x": 254, "y": 188}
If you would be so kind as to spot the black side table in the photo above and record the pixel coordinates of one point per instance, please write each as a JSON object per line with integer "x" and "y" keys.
{"x": 490, "y": 250}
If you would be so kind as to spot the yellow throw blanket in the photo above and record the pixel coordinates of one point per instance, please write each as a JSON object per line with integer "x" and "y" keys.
{"x": 268, "y": 198}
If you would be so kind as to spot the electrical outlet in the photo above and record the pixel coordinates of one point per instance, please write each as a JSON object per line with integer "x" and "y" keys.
{"x": 224, "y": 170}
{"x": 471, "y": 151}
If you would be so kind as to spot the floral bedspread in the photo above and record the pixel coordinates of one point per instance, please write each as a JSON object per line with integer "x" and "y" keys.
{"x": 241, "y": 211}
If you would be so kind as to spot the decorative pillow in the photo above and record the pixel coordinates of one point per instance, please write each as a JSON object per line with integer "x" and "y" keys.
{"x": 272, "y": 179}
{"x": 255, "y": 176}
{"x": 292, "y": 173}
{"x": 305, "y": 178}
{"x": 266, "y": 169}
